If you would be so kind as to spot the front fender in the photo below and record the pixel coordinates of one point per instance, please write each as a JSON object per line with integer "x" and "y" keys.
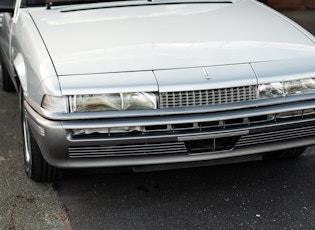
{"x": 31, "y": 59}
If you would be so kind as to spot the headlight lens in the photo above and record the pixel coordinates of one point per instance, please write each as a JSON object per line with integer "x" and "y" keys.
{"x": 287, "y": 88}
{"x": 112, "y": 102}
{"x": 55, "y": 104}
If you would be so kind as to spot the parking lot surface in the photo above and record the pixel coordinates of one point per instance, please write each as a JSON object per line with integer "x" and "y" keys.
{"x": 255, "y": 195}
{"x": 24, "y": 204}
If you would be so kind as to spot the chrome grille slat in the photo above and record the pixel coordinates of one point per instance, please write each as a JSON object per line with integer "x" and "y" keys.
{"x": 207, "y": 97}
{"x": 127, "y": 147}
{"x": 121, "y": 150}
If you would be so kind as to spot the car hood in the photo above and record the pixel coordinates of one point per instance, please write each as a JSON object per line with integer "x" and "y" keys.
{"x": 108, "y": 39}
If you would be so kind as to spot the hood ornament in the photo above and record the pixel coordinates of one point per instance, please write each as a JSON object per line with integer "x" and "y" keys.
{"x": 207, "y": 75}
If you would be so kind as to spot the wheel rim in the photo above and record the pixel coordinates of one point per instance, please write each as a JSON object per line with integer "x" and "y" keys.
{"x": 27, "y": 143}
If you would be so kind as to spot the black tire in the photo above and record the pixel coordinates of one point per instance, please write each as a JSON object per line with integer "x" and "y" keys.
{"x": 287, "y": 153}
{"x": 7, "y": 84}
{"x": 36, "y": 167}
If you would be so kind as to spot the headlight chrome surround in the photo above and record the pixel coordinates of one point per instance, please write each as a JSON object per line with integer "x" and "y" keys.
{"x": 286, "y": 88}
{"x": 113, "y": 102}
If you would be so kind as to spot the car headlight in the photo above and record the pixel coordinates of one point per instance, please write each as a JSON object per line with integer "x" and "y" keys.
{"x": 55, "y": 104}
{"x": 286, "y": 88}
{"x": 112, "y": 102}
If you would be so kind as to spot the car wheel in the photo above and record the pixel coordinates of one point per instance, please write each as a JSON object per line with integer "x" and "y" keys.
{"x": 36, "y": 167}
{"x": 287, "y": 153}
{"x": 7, "y": 84}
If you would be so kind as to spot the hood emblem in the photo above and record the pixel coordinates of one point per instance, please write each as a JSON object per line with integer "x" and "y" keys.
{"x": 206, "y": 73}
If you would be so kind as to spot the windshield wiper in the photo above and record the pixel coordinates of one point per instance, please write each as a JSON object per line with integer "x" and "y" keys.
{"x": 50, "y": 3}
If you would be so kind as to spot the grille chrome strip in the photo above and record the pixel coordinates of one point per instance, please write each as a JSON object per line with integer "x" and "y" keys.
{"x": 207, "y": 97}
{"x": 211, "y": 136}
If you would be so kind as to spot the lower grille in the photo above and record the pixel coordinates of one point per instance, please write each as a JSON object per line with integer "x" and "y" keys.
{"x": 269, "y": 137}
{"x": 128, "y": 150}
{"x": 191, "y": 147}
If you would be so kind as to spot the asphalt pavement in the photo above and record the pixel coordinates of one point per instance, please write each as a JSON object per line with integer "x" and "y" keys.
{"x": 24, "y": 204}
{"x": 254, "y": 195}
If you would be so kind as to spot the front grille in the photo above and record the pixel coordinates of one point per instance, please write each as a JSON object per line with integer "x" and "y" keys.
{"x": 191, "y": 147}
{"x": 207, "y": 97}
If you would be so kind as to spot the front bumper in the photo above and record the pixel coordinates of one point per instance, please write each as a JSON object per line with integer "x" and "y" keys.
{"x": 239, "y": 132}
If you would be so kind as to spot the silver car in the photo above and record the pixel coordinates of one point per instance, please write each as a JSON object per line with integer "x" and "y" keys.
{"x": 158, "y": 84}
